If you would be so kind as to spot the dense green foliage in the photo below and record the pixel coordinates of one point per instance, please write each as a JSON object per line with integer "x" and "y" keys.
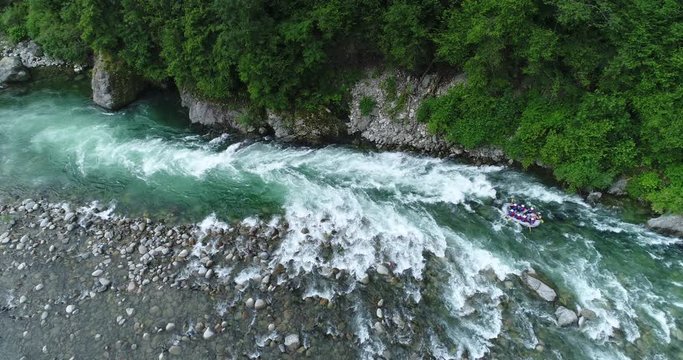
{"x": 367, "y": 105}
{"x": 591, "y": 88}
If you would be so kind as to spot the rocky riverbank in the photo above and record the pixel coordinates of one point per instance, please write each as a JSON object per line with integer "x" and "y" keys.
{"x": 26, "y": 60}
{"x": 82, "y": 281}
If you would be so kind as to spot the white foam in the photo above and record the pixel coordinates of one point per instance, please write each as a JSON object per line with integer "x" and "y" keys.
{"x": 246, "y": 275}
{"x": 209, "y": 224}
{"x": 664, "y": 329}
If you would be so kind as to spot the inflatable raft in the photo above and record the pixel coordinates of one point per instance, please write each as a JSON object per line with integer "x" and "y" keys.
{"x": 530, "y": 224}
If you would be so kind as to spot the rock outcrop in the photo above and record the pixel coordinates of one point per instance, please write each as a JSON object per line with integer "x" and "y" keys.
{"x": 12, "y": 70}
{"x": 114, "y": 85}
{"x": 215, "y": 114}
{"x": 391, "y": 122}
{"x": 619, "y": 187}
{"x": 667, "y": 224}
{"x": 311, "y": 129}
{"x": 301, "y": 128}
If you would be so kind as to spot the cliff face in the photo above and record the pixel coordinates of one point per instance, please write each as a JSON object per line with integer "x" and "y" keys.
{"x": 215, "y": 114}
{"x": 383, "y": 112}
{"x": 308, "y": 129}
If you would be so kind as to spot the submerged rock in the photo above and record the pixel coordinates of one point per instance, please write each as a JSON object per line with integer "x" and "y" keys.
{"x": 668, "y": 224}
{"x": 565, "y": 317}
{"x": 543, "y": 290}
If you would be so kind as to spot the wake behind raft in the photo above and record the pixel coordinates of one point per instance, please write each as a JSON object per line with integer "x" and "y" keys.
{"x": 523, "y": 215}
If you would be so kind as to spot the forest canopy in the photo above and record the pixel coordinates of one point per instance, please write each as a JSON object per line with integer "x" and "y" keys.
{"x": 591, "y": 88}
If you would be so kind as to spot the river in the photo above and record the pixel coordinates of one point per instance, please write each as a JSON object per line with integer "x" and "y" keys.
{"x": 384, "y": 254}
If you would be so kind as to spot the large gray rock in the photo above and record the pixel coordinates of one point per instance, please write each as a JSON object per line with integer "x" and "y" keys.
{"x": 544, "y": 291}
{"x": 565, "y": 317}
{"x": 12, "y": 70}
{"x": 668, "y": 224}
{"x": 114, "y": 85}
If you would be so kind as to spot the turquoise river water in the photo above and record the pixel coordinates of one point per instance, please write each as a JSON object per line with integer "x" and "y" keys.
{"x": 434, "y": 222}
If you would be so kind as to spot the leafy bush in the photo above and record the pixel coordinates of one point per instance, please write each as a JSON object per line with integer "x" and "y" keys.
{"x": 367, "y": 105}
{"x": 13, "y": 21}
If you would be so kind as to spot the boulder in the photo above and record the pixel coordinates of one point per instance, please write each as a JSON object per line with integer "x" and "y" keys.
{"x": 12, "y": 70}
{"x": 114, "y": 84}
{"x": 667, "y": 224}
{"x": 565, "y": 317}
{"x": 292, "y": 342}
{"x": 543, "y": 290}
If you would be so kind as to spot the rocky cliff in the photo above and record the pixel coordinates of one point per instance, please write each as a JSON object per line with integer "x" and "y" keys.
{"x": 384, "y": 112}
{"x": 215, "y": 114}
{"x": 390, "y": 123}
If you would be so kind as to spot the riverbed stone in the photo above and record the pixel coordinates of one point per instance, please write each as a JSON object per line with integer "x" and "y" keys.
{"x": 174, "y": 350}
{"x": 382, "y": 270}
{"x": 565, "y": 317}
{"x": 208, "y": 333}
{"x": 544, "y": 291}
{"x": 259, "y": 304}
{"x": 292, "y": 342}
